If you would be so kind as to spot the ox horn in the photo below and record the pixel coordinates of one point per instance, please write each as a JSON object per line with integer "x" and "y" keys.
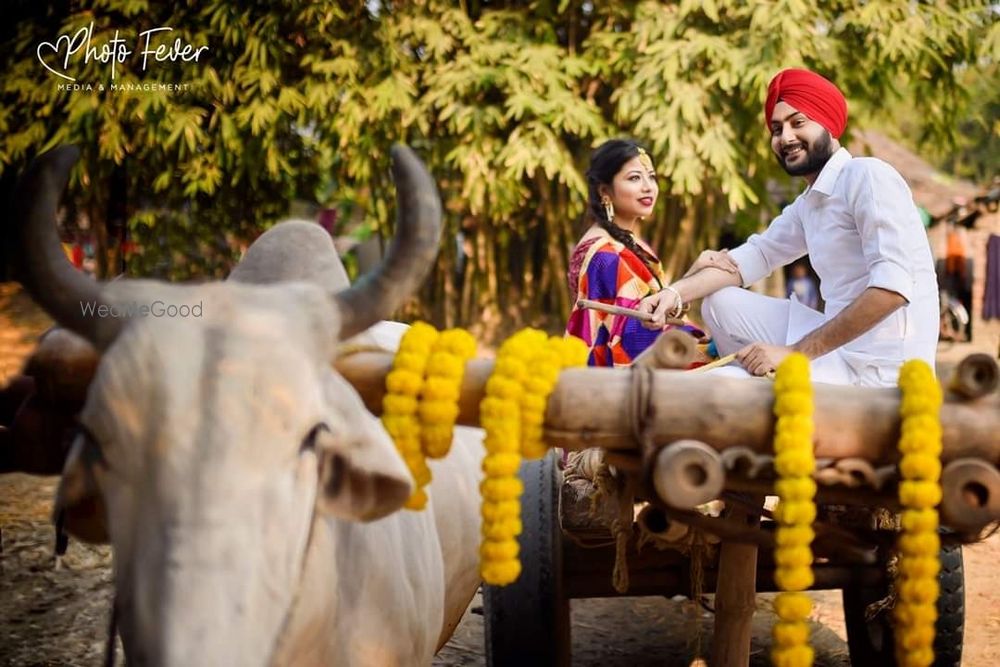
{"x": 410, "y": 255}
{"x": 42, "y": 267}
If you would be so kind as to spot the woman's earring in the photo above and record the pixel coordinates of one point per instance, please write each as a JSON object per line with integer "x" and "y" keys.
{"x": 609, "y": 208}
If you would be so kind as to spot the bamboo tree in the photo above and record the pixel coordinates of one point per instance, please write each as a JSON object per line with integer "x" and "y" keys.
{"x": 301, "y": 100}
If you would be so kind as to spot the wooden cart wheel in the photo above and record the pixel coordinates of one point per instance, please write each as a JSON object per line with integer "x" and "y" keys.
{"x": 527, "y": 622}
{"x": 871, "y": 642}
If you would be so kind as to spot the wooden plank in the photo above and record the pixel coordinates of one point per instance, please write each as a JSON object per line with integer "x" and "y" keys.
{"x": 588, "y": 409}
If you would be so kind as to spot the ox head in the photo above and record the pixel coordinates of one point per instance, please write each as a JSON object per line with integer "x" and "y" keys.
{"x": 216, "y": 431}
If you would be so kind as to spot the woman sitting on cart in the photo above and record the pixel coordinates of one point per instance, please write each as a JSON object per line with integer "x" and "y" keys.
{"x": 610, "y": 263}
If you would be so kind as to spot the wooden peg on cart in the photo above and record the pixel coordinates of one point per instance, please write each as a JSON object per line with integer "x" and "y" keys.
{"x": 673, "y": 349}
{"x": 977, "y": 375}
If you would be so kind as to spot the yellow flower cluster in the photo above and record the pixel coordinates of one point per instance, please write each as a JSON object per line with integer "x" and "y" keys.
{"x": 399, "y": 406}
{"x": 795, "y": 463}
{"x": 545, "y": 363}
{"x": 421, "y": 401}
{"x": 438, "y": 408}
{"x": 919, "y": 493}
{"x": 512, "y": 414}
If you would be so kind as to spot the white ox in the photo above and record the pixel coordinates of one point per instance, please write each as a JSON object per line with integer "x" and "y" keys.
{"x": 236, "y": 467}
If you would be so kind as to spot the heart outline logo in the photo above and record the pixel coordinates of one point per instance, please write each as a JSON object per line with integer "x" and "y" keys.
{"x": 71, "y": 48}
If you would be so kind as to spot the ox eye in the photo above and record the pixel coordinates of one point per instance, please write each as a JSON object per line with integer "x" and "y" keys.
{"x": 309, "y": 442}
{"x": 92, "y": 451}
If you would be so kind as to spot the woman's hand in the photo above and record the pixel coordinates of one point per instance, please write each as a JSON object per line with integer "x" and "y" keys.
{"x": 714, "y": 259}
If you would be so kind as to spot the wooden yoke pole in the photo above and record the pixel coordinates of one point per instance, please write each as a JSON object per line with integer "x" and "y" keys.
{"x": 735, "y": 595}
{"x": 587, "y": 409}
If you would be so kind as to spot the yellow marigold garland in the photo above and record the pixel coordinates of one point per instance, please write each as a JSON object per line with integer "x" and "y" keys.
{"x": 919, "y": 493}
{"x": 512, "y": 413}
{"x": 500, "y": 416}
{"x": 399, "y": 406}
{"x": 442, "y": 386}
{"x": 795, "y": 463}
{"x": 545, "y": 364}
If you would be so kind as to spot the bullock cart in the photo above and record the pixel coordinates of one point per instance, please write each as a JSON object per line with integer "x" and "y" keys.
{"x": 637, "y": 513}
{"x": 653, "y": 437}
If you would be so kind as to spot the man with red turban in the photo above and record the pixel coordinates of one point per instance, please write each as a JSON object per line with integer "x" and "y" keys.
{"x": 857, "y": 222}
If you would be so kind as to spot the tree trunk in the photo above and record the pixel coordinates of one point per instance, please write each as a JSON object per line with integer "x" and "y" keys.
{"x": 446, "y": 279}
{"x": 468, "y": 287}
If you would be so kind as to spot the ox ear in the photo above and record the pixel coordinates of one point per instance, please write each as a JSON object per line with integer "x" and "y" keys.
{"x": 360, "y": 479}
{"x": 78, "y": 498}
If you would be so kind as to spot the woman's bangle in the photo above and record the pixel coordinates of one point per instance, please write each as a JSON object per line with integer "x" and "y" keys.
{"x": 679, "y": 308}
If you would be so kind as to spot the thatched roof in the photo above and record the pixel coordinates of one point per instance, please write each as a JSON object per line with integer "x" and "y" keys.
{"x": 931, "y": 189}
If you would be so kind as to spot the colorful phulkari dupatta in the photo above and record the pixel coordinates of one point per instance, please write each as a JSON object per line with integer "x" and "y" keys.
{"x": 605, "y": 270}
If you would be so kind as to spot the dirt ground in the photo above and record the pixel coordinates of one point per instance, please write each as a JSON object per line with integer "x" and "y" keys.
{"x": 56, "y": 613}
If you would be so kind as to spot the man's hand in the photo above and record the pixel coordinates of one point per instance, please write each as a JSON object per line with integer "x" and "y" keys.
{"x": 762, "y": 358}
{"x": 658, "y": 304}
{"x": 714, "y": 259}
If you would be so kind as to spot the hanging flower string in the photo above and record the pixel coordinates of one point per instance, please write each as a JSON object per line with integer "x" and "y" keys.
{"x": 442, "y": 387}
{"x": 919, "y": 494}
{"x": 500, "y": 416}
{"x": 513, "y": 413}
{"x": 546, "y": 364}
{"x": 795, "y": 463}
{"x": 437, "y": 407}
{"x": 399, "y": 406}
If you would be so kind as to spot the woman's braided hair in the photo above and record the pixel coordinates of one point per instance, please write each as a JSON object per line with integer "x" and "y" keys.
{"x": 606, "y": 161}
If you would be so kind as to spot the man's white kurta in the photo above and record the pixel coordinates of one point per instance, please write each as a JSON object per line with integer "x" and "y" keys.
{"x": 861, "y": 229}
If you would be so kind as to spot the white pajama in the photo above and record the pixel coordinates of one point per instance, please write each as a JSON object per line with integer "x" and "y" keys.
{"x": 738, "y": 317}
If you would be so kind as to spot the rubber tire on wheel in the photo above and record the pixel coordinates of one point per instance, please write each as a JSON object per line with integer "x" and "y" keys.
{"x": 871, "y": 643}
{"x": 527, "y": 622}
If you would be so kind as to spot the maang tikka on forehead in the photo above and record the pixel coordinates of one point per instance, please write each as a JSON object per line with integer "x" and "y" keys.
{"x": 644, "y": 158}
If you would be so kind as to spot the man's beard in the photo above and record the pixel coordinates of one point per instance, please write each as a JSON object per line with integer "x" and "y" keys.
{"x": 817, "y": 156}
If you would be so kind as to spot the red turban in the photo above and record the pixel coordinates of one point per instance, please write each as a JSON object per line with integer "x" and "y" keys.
{"x": 811, "y": 94}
